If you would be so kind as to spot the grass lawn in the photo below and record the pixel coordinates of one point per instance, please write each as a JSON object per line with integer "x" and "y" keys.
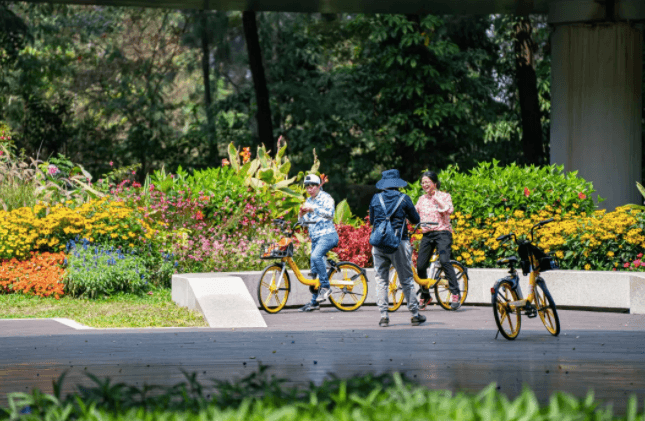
{"x": 122, "y": 310}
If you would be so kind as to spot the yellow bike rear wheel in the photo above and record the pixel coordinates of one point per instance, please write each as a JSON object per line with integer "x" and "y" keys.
{"x": 441, "y": 290}
{"x": 546, "y": 309}
{"x": 394, "y": 291}
{"x": 508, "y": 321}
{"x": 272, "y": 294}
{"x": 348, "y": 286}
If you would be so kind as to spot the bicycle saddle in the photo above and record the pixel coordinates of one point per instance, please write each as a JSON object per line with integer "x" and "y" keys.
{"x": 507, "y": 260}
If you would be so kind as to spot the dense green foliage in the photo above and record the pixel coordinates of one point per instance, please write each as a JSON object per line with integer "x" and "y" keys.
{"x": 255, "y": 397}
{"x": 125, "y": 85}
{"x": 490, "y": 189}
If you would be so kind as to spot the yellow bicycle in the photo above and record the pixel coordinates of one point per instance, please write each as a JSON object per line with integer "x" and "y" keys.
{"x": 348, "y": 282}
{"x": 507, "y": 300}
{"x": 438, "y": 281}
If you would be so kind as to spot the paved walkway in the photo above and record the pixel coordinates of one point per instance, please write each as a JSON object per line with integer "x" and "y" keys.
{"x": 453, "y": 350}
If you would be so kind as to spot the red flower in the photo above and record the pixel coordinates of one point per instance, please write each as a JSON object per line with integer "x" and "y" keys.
{"x": 626, "y": 265}
{"x": 639, "y": 255}
{"x": 581, "y": 196}
{"x": 527, "y": 192}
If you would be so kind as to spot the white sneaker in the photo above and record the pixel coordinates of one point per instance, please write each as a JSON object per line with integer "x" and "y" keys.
{"x": 323, "y": 294}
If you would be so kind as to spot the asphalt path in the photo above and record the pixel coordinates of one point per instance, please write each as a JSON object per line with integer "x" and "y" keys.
{"x": 599, "y": 352}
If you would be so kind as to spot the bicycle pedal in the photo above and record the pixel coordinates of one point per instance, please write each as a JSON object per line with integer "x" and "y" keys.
{"x": 531, "y": 312}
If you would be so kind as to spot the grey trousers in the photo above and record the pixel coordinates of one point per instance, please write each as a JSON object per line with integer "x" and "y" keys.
{"x": 402, "y": 261}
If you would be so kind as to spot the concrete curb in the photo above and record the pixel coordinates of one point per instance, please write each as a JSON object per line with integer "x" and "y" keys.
{"x": 572, "y": 289}
{"x": 224, "y": 300}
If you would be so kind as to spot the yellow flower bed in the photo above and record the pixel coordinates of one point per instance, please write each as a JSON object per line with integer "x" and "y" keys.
{"x": 44, "y": 228}
{"x": 600, "y": 241}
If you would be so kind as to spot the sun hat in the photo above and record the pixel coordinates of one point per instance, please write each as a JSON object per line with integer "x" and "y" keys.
{"x": 312, "y": 180}
{"x": 390, "y": 179}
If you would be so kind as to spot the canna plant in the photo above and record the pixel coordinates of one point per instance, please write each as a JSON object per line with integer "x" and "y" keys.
{"x": 270, "y": 177}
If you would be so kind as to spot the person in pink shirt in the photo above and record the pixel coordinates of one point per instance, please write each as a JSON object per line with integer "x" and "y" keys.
{"x": 436, "y": 206}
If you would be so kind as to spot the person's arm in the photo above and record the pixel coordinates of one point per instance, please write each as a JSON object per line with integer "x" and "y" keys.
{"x": 304, "y": 215}
{"x": 444, "y": 203}
{"x": 371, "y": 221}
{"x": 325, "y": 207}
{"x": 410, "y": 211}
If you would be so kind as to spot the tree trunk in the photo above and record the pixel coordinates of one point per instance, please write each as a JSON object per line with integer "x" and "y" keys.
{"x": 265, "y": 129}
{"x": 213, "y": 156}
{"x": 528, "y": 94}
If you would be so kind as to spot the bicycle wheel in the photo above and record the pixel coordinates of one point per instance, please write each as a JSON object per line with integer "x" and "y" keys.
{"x": 273, "y": 294}
{"x": 394, "y": 291}
{"x": 348, "y": 286}
{"x": 441, "y": 290}
{"x": 546, "y": 308}
{"x": 508, "y": 321}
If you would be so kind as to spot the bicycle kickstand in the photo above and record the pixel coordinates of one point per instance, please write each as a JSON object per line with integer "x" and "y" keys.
{"x": 497, "y": 334}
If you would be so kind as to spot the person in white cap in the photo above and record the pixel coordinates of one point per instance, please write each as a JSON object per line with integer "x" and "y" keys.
{"x": 319, "y": 208}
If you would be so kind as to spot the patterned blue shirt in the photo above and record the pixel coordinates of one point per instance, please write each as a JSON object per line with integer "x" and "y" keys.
{"x": 323, "y": 214}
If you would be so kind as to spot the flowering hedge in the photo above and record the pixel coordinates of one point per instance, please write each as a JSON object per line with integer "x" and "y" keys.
{"x": 40, "y": 275}
{"x": 600, "y": 241}
{"x": 353, "y": 244}
{"x": 44, "y": 228}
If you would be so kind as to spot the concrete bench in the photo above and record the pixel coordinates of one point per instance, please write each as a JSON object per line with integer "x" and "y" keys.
{"x": 229, "y": 305}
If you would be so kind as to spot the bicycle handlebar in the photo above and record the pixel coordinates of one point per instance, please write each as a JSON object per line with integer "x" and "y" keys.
{"x": 416, "y": 227}
{"x": 284, "y": 225}
{"x": 540, "y": 224}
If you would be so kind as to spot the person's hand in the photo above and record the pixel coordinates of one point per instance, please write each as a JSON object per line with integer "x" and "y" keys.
{"x": 305, "y": 209}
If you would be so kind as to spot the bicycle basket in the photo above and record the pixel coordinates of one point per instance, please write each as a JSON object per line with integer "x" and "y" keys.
{"x": 535, "y": 258}
{"x": 283, "y": 248}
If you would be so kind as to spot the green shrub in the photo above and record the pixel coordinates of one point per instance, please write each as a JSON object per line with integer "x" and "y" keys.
{"x": 368, "y": 397}
{"x": 489, "y": 189}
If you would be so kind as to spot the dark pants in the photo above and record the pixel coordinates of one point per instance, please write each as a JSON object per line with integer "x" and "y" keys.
{"x": 440, "y": 240}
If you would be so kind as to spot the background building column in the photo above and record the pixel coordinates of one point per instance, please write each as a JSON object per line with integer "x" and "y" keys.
{"x": 596, "y": 106}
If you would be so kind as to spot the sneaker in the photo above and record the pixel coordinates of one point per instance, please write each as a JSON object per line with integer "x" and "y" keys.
{"x": 323, "y": 294}
{"x": 424, "y": 302}
{"x": 418, "y": 319}
{"x": 309, "y": 307}
{"x": 384, "y": 322}
{"x": 456, "y": 301}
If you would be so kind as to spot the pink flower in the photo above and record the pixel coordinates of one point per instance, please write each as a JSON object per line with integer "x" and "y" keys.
{"x": 581, "y": 196}
{"x": 111, "y": 163}
{"x": 52, "y": 170}
{"x": 134, "y": 172}
{"x": 626, "y": 265}
{"x": 639, "y": 255}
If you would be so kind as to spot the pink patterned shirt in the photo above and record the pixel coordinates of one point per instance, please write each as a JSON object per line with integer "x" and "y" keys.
{"x": 429, "y": 211}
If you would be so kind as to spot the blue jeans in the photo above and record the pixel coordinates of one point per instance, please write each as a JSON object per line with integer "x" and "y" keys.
{"x": 320, "y": 246}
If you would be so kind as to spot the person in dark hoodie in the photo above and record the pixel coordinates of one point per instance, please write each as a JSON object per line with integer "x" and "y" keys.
{"x": 390, "y": 183}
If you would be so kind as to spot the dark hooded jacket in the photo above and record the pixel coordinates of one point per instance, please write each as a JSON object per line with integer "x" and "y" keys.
{"x": 406, "y": 210}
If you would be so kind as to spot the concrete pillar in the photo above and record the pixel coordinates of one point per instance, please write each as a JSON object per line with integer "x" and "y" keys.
{"x": 596, "y": 106}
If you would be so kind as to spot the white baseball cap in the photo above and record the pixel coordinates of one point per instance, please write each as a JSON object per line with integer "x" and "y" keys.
{"x": 311, "y": 180}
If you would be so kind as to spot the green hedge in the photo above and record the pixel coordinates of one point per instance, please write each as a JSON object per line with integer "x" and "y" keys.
{"x": 385, "y": 397}
{"x": 482, "y": 190}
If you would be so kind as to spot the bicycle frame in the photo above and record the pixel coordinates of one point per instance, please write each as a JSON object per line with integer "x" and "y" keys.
{"x": 428, "y": 282}
{"x": 534, "y": 278}
{"x": 506, "y": 295}
{"x": 315, "y": 283}
{"x": 289, "y": 262}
